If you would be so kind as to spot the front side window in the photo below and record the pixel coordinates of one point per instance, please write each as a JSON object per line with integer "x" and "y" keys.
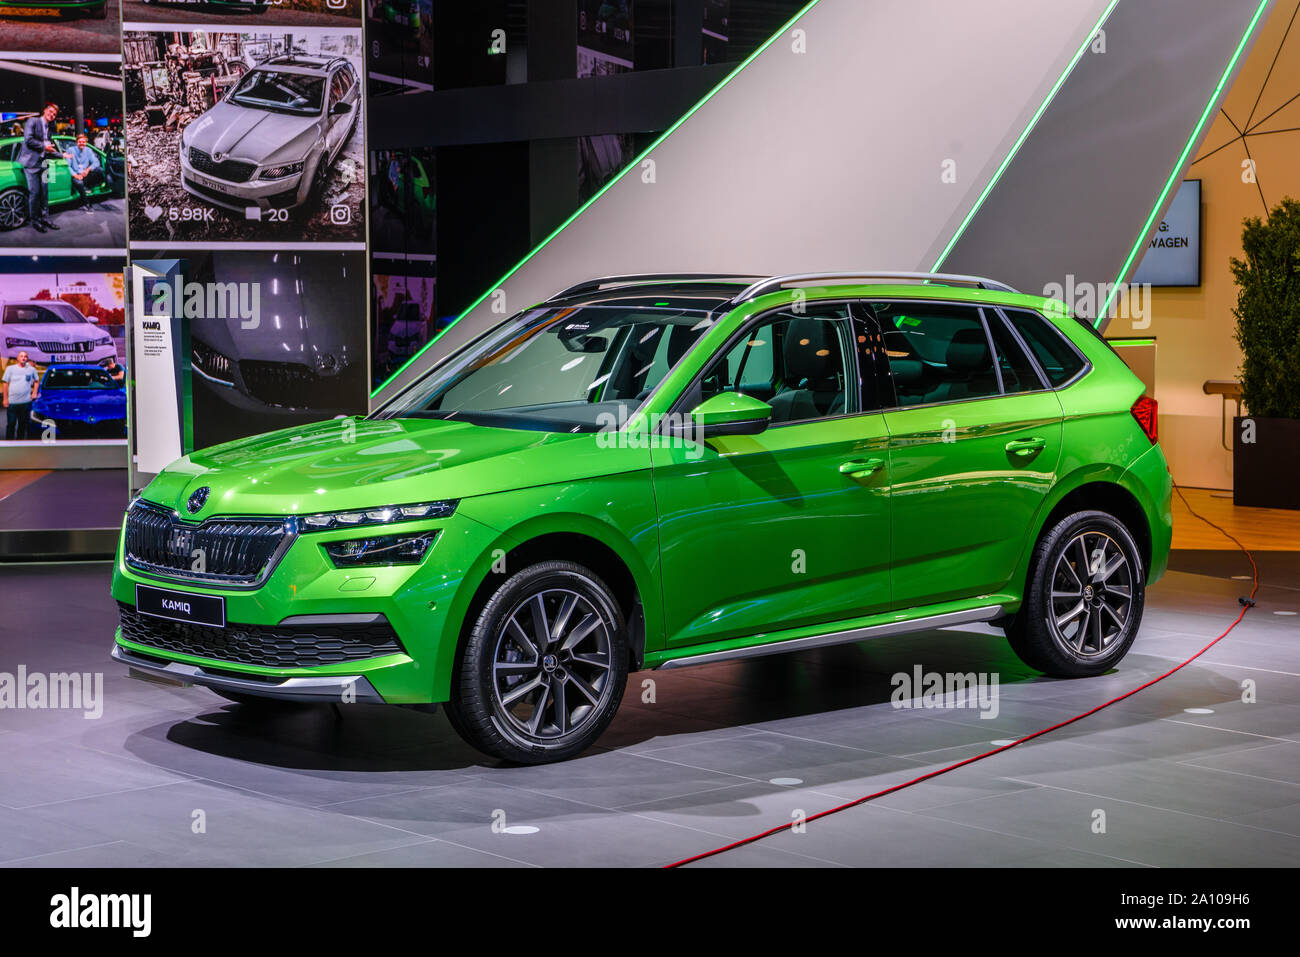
{"x": 937, "y": 352}
{"x": 801, "y": 364}
{"x": 559, "y": 370}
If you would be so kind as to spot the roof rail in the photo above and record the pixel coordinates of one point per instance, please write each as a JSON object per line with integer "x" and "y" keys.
{"x": 946, "y": 279}
{"x": 592, "y": 285}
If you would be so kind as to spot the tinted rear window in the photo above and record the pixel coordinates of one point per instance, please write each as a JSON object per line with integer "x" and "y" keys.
{"x": 1059, "y": 359}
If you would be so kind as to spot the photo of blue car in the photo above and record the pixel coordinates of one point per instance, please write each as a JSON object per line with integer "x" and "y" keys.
{"x": 84, "y": 400}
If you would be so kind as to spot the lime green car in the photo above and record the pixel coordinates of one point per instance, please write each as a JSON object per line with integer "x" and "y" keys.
{"x": 93, "y": 9}
{"x": 13, "y": 184}
{"x": 654, "y": 472}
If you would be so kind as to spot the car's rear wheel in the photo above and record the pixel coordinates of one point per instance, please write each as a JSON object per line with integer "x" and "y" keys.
{"x": 13, "y": 208}
{"x": 1084, "y": 601}
{"x": 543, "y": 670}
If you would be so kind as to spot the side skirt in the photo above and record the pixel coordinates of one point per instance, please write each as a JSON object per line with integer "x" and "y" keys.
{"x": 927, "y": 623}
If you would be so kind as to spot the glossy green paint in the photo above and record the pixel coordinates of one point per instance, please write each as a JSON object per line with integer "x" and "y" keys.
{"x": 802, "y": 529}
{"x": 728, "y": 408}
{"x": 757, "y": 529}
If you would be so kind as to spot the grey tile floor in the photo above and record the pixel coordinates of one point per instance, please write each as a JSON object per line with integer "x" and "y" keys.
{"x": 172, "y": 776}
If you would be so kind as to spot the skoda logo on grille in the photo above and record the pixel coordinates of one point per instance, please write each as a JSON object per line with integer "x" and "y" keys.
{"x": 197, "y": 498}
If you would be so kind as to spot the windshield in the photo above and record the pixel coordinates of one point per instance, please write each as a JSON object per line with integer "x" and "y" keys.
{"x": 59, "y": 378}
{"x": 558, "y": 370}
{"x": 48, "y": 312}
{"x": 276, "y": 90}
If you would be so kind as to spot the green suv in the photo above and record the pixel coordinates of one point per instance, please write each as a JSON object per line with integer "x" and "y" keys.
{"x": 660, "y": 471}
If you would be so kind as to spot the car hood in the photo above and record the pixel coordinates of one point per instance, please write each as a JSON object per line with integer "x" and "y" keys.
{"x": 362, "y": 463}
{"x": 259, "y": 136}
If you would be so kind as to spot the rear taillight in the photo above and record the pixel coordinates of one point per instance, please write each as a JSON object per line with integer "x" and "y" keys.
{"x": 1147, "y": 414}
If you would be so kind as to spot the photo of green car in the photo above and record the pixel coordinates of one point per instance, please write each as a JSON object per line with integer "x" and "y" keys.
{"x": 659, "y": 471}
{"x": 94, "y": 9}
{"x": 13, "y": 185}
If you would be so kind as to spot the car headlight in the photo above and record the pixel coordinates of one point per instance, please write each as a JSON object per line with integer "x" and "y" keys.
{"x": 380, "y": 550}
{"x": 356, "y": 518}
{"x": 280, "y": 172}
{"x": 104, "y": 341}
{"x": 14, "y": 343}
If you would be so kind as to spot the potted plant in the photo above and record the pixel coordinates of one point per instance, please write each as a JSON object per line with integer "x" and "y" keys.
{"x": 1266, "y": 443}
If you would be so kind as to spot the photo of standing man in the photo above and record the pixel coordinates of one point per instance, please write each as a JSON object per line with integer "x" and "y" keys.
{"x": 20, "y": 387}
{"x": 33, "y": 151}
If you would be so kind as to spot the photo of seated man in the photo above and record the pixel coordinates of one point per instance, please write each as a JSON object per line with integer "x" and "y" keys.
{"x": 84, "y": 169}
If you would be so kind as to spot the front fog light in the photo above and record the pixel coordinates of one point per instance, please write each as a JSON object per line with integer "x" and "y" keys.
{"x": 381, "y": 550}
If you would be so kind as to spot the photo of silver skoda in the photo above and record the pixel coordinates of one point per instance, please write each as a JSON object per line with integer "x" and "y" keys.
{"x": 270, "y": 141}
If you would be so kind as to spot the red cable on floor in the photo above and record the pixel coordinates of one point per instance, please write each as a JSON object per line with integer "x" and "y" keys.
{"x": 1246, "y": 605}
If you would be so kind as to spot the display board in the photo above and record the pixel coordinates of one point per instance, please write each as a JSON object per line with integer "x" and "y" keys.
{"x": 1173, "y": 254}
{"x": 245, "y": 143}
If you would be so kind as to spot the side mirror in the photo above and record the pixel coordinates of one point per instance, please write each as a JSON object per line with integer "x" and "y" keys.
{"x": 731, "y": 413}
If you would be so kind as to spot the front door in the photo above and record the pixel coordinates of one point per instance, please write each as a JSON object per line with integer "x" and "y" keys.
{"x": 790, "y": 527}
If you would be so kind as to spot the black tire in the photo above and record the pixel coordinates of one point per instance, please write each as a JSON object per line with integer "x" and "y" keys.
{"x": 581, "y": 673}
{"x": 1081, "y": 552}
{"x": 13, "y": 208}
{"x": 258, "y": 701}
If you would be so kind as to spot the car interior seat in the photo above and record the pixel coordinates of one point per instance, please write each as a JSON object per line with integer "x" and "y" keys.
{"x": 812, "y": 384}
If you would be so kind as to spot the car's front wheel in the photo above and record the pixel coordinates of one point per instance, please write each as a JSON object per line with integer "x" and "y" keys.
{"x": 542, "y": 671}
{"x": 1084, "y": 600}
{"x": 13, "y": 208}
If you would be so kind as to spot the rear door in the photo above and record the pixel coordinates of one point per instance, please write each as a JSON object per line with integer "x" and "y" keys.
{"x": 974, "y": 442}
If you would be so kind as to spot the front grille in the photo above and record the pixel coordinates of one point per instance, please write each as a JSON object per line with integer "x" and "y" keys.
{"x": 287, "y": 384}
{"x": 233, "y": 551}
{"x": 210, "y": 361}
{"x": 272, "y": 646}
{"x": 50, "y": 347}
{"x": 232, "y": 171}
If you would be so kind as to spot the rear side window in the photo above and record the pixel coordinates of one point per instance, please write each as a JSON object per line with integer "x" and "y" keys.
{"x": 936, "y": 352}
{"x": 1018, "y": 372}
{"x": 1055, "y": 354}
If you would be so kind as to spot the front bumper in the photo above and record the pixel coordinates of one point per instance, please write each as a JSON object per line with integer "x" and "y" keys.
{"x": 266, "y": 194}
{"x": 318, "y": 688}
{"x": 422, "y": 603}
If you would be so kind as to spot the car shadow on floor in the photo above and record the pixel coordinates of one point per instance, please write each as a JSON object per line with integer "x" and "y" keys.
{"x": 853, "y": 683}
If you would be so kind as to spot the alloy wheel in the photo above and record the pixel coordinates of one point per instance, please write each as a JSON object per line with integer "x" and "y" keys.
{"x": 552, "y": 665}
{"x": 1092, "y": 594}
{"x": 13, "y": 209}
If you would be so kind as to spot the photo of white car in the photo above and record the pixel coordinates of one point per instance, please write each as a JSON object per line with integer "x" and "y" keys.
{"x": 244, "y": 137}
{"x": 270, "y": 141}
{"x": 50, "y": 330}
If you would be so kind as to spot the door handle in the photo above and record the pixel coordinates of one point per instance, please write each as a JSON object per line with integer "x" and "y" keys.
{"x": 861, "y": 469}
{"x": 1026, "y": 447}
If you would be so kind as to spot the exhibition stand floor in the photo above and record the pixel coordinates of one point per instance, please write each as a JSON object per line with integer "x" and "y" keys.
{"x": 1184, "y": 773}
